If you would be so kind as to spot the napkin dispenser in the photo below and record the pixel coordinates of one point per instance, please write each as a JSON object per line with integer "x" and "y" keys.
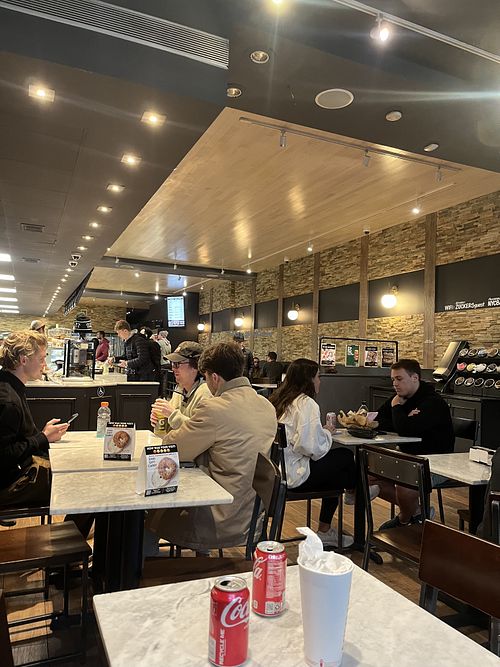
{"x": 481, "y": 455}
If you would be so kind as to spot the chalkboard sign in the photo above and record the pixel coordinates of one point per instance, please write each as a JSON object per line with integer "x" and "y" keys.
{"x": 339, "y": 304}
{"x": 468, "y": 285}
{"x": 409, "y": 296}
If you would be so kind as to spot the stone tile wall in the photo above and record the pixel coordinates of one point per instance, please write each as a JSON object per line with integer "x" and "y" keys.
{"x": 298, "y": 276}
{"x": 242, "y": 293}
{"x": 264, "y": 341}
{"x": 469, "y": 230}
{"x": 297, "y": 342}
{"x": 398, "y": 249}
{"x": 204, "y": 304}
{"x": 340, "y": 265}
{"x": 102, "y": 317}
{"x": 223, "y": 295}
{"x": 267, "y": 285}
{"x": 407, "y": 330}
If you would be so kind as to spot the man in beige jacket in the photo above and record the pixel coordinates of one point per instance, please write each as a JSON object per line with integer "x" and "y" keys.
{"x": 223, "y": 436}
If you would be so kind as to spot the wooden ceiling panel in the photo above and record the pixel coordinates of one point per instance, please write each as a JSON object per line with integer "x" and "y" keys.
{"x": 240, "y": 198}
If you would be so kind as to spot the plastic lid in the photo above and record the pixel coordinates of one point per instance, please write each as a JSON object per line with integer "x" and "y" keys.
{"x": 104, "y": 404}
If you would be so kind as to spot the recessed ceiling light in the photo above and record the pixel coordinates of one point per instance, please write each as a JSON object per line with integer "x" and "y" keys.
{"x": 70, "y": 270}
{"x": 153, "y": 118}
{"x": 184, "y": 293}
{"x": 6, "y": 276}
{"x": 41, "y": 93}
{"x": 137, "y": 274}
{"x": 249, "y": 270}
{"x": 7, "y": 311}
{"x": 393, "y": 116}
{"x": 415, "y": 210}
{"x": 8, "y": 290}
{"x": 66, "y": 275}
{"x": 8, "y": 298}
{"x": 259, "y": 57}
{"x": 381, "y": 32}
{"x": 233, "y": 91}
{"x": 114, "y": 187}
{"x": 63, "y": 280}
{"x": 156, "y": 297}
{"x": 4, "y": 257}
{"x": 131, "y": 160}
{"x": 94, "y": 224}
{"x": 334, "y": 98}
{"x": 104, "y": 209}
{"x": 82, "y": 247}
{"x": 431, "y": 147}
{"x": 87, "y": 237}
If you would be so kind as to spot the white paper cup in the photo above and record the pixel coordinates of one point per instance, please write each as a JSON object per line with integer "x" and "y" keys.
{"x": 325, "y": 601}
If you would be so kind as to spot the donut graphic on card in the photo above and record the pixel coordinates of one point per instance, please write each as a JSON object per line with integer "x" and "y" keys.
{"x": 166, "y": 470}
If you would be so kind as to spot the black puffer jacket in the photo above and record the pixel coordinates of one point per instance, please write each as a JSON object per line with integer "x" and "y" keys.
{"x": 19, "y": 437}
{"x": 140, "y": 366}
{"x": 433, "y": 422}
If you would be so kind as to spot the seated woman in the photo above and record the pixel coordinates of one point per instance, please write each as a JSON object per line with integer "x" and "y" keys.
{"x": 190, "y": 389}
{"x": 311, "y": 464}
{"x": 255, "y": 372}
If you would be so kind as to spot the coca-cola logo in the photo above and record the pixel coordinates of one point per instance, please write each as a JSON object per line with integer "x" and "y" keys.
{"x": 257, "y": 569}
{"x": 235, "y": 613}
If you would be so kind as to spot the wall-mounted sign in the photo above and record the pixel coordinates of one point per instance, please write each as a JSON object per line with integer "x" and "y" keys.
{"x": 468, "y": 285}
{"x": 352, "y": 355}
{"x": 388, "y": 356}
{"x": 371, "y": 355}
{"x": 327, "y": 354}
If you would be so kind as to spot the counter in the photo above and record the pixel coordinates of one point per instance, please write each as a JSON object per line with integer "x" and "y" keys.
{"x": 129, "y": 401}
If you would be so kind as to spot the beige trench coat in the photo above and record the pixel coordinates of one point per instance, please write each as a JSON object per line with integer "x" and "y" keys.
{"x": 223, "y": 436}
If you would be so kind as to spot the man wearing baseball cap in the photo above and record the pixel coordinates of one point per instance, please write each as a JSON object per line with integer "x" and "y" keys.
{"x": 190, "y": 388}
{"x": 38, "y": 325}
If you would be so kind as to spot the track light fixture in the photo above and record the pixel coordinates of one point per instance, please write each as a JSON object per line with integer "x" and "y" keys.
{"x": 439, "y": 174}
{"x": 282, "y": 139}
{"x": 366, "y": 159}
{"x": 381, "y": 32}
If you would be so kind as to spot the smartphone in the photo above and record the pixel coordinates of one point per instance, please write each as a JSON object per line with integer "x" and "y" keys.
{"x": 72, "y": 418}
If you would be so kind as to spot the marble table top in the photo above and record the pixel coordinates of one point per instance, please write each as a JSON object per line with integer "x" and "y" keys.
{"x": 114, "y": 491}
{"x": 83, "y": 451}
{"x": 457, "y": 466}
{"x": 342, "y": 437}
{"x": 265, "y": 385}
{"x": 384, "y": 629}
{"x": 108, "y": 380}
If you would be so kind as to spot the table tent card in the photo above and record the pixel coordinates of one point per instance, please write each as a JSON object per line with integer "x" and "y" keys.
{"x": 119, "y": 441}
{"x": 158, "y": 470}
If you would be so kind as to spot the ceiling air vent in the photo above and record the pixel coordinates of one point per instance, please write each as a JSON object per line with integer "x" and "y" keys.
{"x": 130, "y": 25}
{"x": 31, "y": 260}
{"x": 29, "y": 227}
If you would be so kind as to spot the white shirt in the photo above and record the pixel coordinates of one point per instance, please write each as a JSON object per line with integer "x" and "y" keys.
{"x": 306, "y": 438}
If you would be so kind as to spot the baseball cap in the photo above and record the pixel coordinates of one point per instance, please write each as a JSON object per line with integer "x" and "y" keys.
{"x": 36, "y": 325}
{"x": 186, "y": 350}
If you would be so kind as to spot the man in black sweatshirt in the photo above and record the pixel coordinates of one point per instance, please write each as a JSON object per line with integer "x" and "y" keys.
{"x": 415, "y": 411}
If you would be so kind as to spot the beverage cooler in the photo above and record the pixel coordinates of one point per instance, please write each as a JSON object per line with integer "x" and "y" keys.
{"x": 79, "y": 359}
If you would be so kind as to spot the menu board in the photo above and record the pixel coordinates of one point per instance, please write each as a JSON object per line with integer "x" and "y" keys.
{"x": 175, "y": 311}
{"x": 352, "y": 355}
{"x": 371, "y": 355}
{"x": 388, "y": 356}
{"x": 328, "y": 353}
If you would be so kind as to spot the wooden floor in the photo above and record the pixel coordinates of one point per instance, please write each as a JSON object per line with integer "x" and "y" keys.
{"x": 38, "y": 642}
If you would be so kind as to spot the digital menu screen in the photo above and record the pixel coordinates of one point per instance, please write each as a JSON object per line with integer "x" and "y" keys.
{"x": 175, "y": 311}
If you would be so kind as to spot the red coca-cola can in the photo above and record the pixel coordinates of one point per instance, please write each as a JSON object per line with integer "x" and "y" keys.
{"x": 269, "y": 579}
{"x": 229, "y": 615}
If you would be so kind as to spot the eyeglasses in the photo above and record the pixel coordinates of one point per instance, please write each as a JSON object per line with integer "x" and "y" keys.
{"x": 176, "y": 364}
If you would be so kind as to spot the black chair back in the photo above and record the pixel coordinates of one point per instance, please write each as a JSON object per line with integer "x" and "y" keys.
{"x": 464, "y": 428}
{"x": 270, "y": 494}
{"x": 464, "y": 567}
{"x": 495, "y": 516}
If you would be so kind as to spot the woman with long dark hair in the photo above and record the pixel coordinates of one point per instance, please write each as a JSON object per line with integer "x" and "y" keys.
{"x": 311, "y": 464}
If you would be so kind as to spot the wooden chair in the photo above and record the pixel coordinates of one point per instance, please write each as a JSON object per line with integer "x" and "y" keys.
{"x": 270, "y": 495}
{"x": 6, "y": 659}
{"x": 46, "y": 547}
{"x": 411, "y": 472}
{"x": 278, "y": 456}
{"x": 464, "y": 567}
{"x": 467, "y": 430}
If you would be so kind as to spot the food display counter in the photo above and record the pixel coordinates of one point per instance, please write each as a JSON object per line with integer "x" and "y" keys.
{"x": 128, "y": 401}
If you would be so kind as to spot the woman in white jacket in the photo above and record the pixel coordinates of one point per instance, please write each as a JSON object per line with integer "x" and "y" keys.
{"x": 311, "y": 464}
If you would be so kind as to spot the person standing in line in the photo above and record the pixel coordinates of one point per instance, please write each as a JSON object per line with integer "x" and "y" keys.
{"x": 154, "y": 351}
{"x": 166, "y": 349}
{"x": 239, "y": 339}
{"x": 137, "y": 362}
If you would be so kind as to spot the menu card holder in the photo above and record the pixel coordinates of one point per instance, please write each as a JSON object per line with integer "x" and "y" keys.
{"x": 119, "y": 441}
{"x": 158, "y": 470}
